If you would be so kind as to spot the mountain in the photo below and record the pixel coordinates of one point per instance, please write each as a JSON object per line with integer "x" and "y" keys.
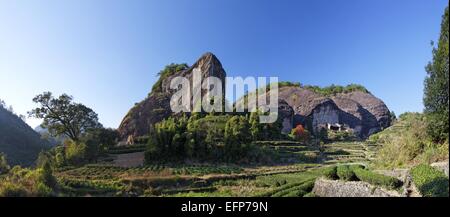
{"x": 18, "y": 141}
{"x": 345, "y": 108}
{"x": 156, "y": 106}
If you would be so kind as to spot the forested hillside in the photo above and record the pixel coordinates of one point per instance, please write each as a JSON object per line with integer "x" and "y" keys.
{"x": 18, "y": 141}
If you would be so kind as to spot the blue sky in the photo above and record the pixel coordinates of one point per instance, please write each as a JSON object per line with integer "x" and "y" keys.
{"x": 106, "y": 53}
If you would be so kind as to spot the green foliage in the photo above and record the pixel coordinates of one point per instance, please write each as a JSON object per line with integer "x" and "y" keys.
{"x": 256, "y": 129}
{"x": 263, "y": 131}
{"x": 10, "y": 189}
{"x": 344, "y": 172}
{"x": 166, "y": 72}
{"x": 26, "y": 182}
{"x": 336, "y": 136}
{"x": 436, "y": 91}
{"x": 392, "y": 116}
{"x": 98, "y": 141}
{"x": 357, "y": 172}
{"x": 75, "y": 152}
{"x": 407, "y": 142}
{"x": 296, "y": 191}
{"x": 61, "y": 116}
{"x": 430, "y": 181}
{"x": 336, "y": 89}
{"x": 4, "y": 167}
{"x": 167, "y": 140}
{"x": 217, "y": 138}
{"x": 236, "y": 136}
{"x": 330, "y": 172}
{"x": 377, "y": 179}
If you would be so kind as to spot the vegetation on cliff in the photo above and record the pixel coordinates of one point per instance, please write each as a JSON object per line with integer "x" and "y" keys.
{"x": 166, "y": 72}
{"x": 336, "y": 89}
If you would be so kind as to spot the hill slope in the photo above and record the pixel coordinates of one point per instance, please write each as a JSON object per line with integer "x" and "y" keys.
{"x": 19, "y": 141}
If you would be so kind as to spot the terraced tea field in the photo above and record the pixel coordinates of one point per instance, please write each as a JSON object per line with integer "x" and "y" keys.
{"x": 293, "y": 174}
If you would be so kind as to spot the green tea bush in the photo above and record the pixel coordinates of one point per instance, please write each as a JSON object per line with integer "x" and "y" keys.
{"x": 430, "y": 181}
{"x": 345, "y": 173}
{"x": 296, "y": 191}
{"x": 331, "y": 173}
{"x": 377, "y": 179}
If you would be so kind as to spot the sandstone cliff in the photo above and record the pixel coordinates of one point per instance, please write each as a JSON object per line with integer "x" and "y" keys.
{"x": 156, "y": 106}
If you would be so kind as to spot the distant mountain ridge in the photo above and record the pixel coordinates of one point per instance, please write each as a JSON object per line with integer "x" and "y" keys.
{"x": 19, "y": 141}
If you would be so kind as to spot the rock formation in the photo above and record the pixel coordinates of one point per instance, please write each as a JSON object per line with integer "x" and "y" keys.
{"x": 358, "y": 111}
{"x": 355, "y": 109}
{"x": 156, "y": 106}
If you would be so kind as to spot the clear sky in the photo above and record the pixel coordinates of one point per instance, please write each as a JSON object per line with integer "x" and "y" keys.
{"x": 106, "y": 53}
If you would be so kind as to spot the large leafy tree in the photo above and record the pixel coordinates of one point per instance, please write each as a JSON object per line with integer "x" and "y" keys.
{"x": 436, "y": 90}
{"x": 61, "y": 116}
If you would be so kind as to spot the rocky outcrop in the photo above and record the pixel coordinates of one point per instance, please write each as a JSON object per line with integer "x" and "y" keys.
{"x": 337, "y": 188}
{"x": 358, "y": 111}
{"x": 156, "y": 106}
{"x": 372, "y": 105}
{"x": 285, "y": 115}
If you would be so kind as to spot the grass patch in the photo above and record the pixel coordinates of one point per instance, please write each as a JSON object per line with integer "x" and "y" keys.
{"x": 344, "y": 172}
{"x": 430, "y": 181}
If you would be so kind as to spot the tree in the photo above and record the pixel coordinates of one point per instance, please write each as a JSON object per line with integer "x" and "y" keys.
{"x": 98, "y": 140}
{"x": 236, "y": 137}
{"x": 436, "y": 89}
{"x": 256, "y": 128}
{"x": 4, "y": 167}
{"x": 300, "y": 133}
{"x": 63, "y": 117}
{"x": 392, "y": 117}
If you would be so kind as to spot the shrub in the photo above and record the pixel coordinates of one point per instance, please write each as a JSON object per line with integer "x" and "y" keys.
{"x": 75, "y": 152}
{"x": 26, "y": 182}
{"x": 299, "y": 133}
{"x": 377, "y": 179}
{"x": 336, "y": 89}
{"x": 430, "y": 181}
{"x": 407, "y": 142}
{"x": 345, "y": 173}
{"x": 296, "y": 191}
{"x": 9, "y": 189}
{"x": 166, "y": 72}
{"x": 331, "y": 173}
